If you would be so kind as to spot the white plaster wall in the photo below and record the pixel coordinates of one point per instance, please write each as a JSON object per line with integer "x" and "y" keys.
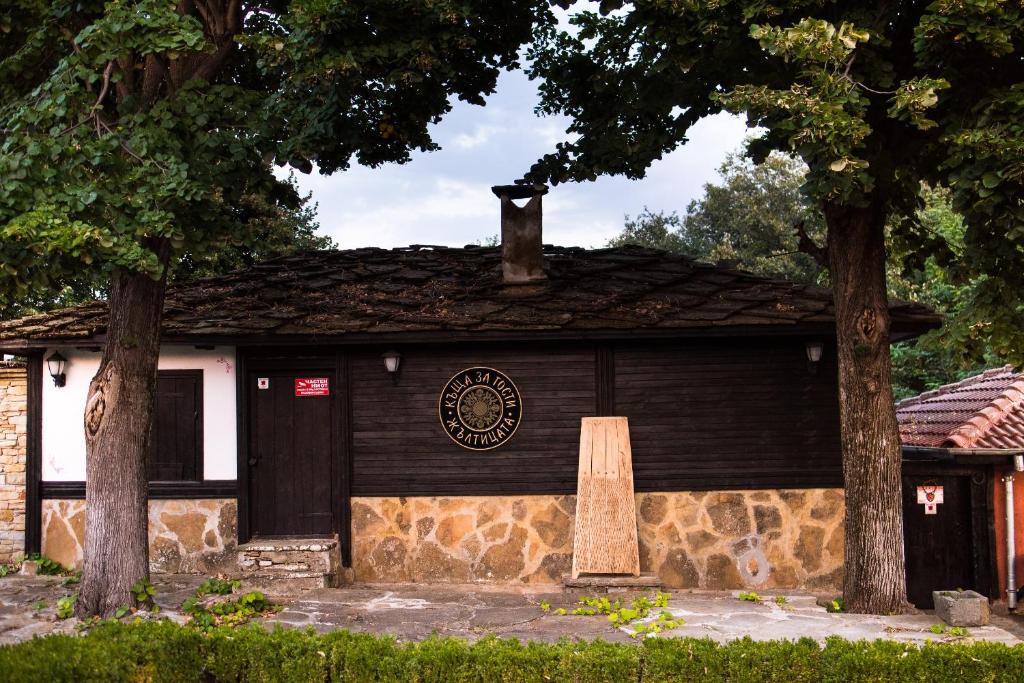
{"x": 64, "y": 408}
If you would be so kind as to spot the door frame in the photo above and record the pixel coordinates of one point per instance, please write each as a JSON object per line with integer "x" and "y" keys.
{"x": 248, "y": 360}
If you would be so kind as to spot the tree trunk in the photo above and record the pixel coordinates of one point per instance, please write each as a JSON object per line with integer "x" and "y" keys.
{"x": 118, "y": 424}
{"x": 874, "y": 580}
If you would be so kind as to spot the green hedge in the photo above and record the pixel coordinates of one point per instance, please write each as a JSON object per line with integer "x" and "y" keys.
{"x": 162, "y": 651}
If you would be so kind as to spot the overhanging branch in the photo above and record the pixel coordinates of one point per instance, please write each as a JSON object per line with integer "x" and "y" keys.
{"x": 808, "y": 246}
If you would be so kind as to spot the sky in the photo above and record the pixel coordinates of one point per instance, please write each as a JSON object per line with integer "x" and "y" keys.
{"x": 444, "y": 197}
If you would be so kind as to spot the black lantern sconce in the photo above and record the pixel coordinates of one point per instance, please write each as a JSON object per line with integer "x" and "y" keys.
{"x": 392, "y": 363}
{"x": 55, "y": 364}
{"x": 814, "y": 349}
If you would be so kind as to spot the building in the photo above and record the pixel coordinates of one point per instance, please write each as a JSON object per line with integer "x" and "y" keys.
{"x": 423, "y": 405}
{"x": 962, "y": 445}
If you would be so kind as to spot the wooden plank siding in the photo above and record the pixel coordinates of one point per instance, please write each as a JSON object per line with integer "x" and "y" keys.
{"x": 400, "y": 448}
{"x": 729, "y": 415}
{"x": 703, "y": 415}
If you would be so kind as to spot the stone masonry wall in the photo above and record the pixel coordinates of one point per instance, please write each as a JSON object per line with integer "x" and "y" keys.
{"x": 790, "y": 539}
{"x": 185, "y": 536}
{"x": 13, "y": 424}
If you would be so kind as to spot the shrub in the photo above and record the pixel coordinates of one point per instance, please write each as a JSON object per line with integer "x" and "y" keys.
{"x": 163, "y": 652}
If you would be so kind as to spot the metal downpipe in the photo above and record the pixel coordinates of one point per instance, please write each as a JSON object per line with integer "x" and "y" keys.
{"x": 1011, "y": 549}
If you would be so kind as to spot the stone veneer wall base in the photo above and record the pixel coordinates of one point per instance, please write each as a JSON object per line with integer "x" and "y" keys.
{"x": 715, "y": 540}
{"x": 185, "y": 536}
{"x": 13, "y": 453}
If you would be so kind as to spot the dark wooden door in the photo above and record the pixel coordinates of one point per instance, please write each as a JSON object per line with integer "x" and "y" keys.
{"x": 292, "y": 447}
{"x": 939, "y": 548}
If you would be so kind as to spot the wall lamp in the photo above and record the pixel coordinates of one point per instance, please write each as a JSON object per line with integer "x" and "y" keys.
{"x": 814, "y": 349}
{"x": 55, "y": 364}
{"x": 392, "y": 363}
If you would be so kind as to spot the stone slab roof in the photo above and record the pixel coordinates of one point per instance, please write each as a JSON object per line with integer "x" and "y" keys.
{"x": 984, "y": 411}
{"x": 440, "y": 289}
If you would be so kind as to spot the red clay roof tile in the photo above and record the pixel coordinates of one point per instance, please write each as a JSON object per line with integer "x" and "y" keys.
{"x": 984, "y": 411}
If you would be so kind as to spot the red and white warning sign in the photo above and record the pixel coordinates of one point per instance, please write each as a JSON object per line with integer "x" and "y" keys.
{"x": 929, "y": 495}
{"x": 312, "y": 386}
{"x": 263, "y": 382}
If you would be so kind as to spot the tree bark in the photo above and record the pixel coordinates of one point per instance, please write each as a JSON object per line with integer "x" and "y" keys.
{"x": 118, "y": 424}
{"x": 874, "y": 576}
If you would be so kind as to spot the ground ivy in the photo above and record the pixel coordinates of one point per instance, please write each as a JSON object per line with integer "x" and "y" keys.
{"x": 621, "y": 616}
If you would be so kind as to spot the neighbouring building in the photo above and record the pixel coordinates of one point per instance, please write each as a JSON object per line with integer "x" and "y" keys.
{"x": 423, "y": 405}
{"x": 962, "y": 445}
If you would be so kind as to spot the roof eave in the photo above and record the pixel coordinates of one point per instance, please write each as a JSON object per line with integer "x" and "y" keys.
{"x": 974, "y": 456}
{"x": 902, "y": 331}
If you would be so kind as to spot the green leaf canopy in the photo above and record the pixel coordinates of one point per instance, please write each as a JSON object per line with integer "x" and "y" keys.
{"x": 133, "y": 129}
{"x": 876, "y": 98}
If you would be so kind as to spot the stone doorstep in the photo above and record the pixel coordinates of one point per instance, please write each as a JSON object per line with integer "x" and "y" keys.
{"x": 289, "y": 557}
{"x": 290, "y": 564}
{"x": 291, "y": 585}
{"x": 325, "y": 561}
{"x": 283, "y": 567}
{"x": 284, "y": 576}
{"x": 612, "y": 581}
{"x": 309, "y": 545}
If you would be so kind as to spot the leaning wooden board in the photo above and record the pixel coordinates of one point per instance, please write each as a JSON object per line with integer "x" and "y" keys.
{"x": 606, "y": 536}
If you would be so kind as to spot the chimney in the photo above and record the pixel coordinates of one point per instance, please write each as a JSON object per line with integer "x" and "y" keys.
{"x": 522, "y": 249}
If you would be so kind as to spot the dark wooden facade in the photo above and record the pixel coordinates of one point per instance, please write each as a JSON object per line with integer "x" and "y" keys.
{"x": 709, "y": 365}
{"x": 677, "y": 396}
{"x": 399, "y": 447}
{"x": 729, "y": 414}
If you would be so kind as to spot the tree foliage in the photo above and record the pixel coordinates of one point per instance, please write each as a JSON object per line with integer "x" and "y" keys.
{"x": 137, "y": 132}
{"x": 139, "y": 136}
{"x": 746, "y": 220}
{"x": 877, "y": 99}
{"x": 272, "y": 228}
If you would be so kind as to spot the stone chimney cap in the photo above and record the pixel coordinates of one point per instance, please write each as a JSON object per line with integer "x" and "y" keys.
{"x": 519, "y": 190}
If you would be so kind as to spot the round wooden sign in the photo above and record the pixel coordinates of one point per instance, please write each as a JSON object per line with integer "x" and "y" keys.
{"x": 480, "y": 408}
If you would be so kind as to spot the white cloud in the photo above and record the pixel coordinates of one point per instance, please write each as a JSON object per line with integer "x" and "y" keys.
{"x": 481, "y": 135}
{"x": 444, "y": 197}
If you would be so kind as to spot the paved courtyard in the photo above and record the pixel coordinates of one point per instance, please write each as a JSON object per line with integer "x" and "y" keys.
{"x": 28, "y": 608}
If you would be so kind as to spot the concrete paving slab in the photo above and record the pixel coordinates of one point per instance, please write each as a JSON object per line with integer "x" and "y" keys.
{"x": 412, "y": 613}
{"x": 725, "y": 617}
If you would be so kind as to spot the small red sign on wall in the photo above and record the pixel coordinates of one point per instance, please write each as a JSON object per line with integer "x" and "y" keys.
{"x": 312, "y": 386}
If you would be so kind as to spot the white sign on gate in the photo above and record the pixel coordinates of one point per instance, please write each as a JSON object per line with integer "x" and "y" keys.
{"x": 930, "y": 495}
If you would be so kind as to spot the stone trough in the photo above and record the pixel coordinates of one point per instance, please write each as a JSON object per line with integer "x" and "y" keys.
{"x": 961, "y": 608}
